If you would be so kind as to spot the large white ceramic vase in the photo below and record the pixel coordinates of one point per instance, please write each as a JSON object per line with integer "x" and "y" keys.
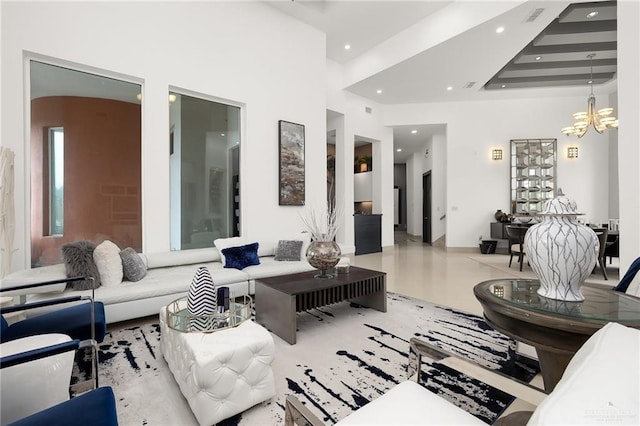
{"x": 561, "y": 251}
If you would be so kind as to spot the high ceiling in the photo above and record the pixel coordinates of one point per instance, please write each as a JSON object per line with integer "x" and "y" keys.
{"x": 438, "y": 51}
{"x": 428, "y": 51}
{"x": 559, "y": 55}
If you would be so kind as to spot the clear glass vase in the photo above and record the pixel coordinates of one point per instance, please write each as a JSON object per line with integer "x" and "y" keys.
{"x": 323, "y": 255}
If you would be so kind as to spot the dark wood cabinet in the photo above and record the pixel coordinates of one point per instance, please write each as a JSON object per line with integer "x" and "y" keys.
{"x": 497, "y": 230}
{"x": 499, "y": 233}
{"x": 368, "y": 233}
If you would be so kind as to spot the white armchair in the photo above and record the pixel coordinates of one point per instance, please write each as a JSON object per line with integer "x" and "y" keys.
{"x": 35, "y": 385}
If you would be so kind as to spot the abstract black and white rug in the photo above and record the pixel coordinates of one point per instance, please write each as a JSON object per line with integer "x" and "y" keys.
{"x": 345, "y": 356}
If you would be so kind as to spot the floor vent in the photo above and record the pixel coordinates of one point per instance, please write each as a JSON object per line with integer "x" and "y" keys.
{"x": 534, "y": 15}
{"x": 469, "y": 85}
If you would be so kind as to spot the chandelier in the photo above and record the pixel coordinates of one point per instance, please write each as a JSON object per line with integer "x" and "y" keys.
{"x": 601, "y": 120}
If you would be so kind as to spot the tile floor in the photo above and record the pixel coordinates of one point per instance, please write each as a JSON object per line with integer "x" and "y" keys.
{"x": 444, "y": 277}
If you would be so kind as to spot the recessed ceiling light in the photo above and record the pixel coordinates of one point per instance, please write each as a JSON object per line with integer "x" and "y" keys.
{"x": 221, "y": 134}
{"x": 592, "y": 14}
{"x": 590, "y": 82}
{"x": 347, "y": 46}
{"x": 379, "y": 91}
{"x": 538, "y": 58}
{"x": 450, "y": 88}
{"x": 399, "y": 150}
{"x": 414, "y": 132}
{"x": 500, "y": 30}
{"x": 503, "y": 86}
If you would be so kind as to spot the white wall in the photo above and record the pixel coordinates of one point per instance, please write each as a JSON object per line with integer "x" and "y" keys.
{"x": 439, "y": 187}
{"x": 417, "y": 165}
{"x": 477, "y": 186}
{"x": 356, "y": 121}
{"x": 247, "y": 53}
{"x": 629, "y": 132}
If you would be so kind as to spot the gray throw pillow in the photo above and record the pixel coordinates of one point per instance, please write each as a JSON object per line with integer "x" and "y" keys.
{"x": 288, "y": 250}
{"x": 132, "y": 265}
{"x": 78, "y": 261}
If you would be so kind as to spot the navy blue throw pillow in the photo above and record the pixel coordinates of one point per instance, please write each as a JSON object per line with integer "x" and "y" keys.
{"x": 242, "y": 256}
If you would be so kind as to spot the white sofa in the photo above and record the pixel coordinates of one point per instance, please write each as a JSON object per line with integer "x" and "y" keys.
{"x": 169, "y": 275}
{"x": 601, "y": 385}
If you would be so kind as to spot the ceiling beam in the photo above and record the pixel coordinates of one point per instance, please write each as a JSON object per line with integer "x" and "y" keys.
{"x": 562, "y": 64}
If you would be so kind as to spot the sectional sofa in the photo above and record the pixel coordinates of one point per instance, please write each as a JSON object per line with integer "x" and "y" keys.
{"x": 168, "y": 277}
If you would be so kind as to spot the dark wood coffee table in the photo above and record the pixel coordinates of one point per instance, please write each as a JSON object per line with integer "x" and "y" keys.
{"x": 278, "y": 299}
{"x": 557, "y": 329}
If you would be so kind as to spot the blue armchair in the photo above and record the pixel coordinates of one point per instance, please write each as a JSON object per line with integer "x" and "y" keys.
{"x": 37, "y": 398}
{"x": 81, "y": 321}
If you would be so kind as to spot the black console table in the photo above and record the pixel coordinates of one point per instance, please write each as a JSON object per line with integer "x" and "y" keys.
{"x": 368, "y": 233}
{"x": 499, "y": 233}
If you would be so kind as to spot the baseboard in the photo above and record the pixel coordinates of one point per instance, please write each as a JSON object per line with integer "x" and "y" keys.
{"x": 474, "y": 250}
{"x": 441, "y": 242}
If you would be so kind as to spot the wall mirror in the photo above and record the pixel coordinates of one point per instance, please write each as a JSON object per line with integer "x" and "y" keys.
{"x": 204, "y": 161}
{"x": 85, "y": 160}
{"x": 533, "y": 174}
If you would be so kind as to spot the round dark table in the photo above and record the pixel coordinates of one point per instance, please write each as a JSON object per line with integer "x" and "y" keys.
{"x": 557, "y": 329}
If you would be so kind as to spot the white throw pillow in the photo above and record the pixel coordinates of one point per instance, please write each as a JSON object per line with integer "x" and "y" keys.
{"x": 223, "y": 243}
{"x": 107, "y": 259}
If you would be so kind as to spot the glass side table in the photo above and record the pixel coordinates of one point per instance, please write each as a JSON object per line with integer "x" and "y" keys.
{"x": 179, "y": 319}
{"x": 556, "y": 328}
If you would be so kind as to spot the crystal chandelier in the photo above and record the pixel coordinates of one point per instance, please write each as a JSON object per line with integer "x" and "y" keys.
{"x": 601, "y": 120}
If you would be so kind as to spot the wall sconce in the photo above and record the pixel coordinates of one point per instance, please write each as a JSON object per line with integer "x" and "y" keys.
{"x": 572, "y": 152}
{"x": 496, "y": 154}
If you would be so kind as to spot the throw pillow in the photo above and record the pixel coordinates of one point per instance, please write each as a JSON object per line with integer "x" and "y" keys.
{"x": 242, "y": 256}
{"x": 107, "y": 258}
{"x": 223, "y": 243}
{"x": 78, "y": 261}
{"x": 133, "y": 266}
{"x": 288, "y": 250}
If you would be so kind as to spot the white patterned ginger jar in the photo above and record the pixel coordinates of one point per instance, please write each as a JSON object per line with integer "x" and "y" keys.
{"x": 561, "y": 251}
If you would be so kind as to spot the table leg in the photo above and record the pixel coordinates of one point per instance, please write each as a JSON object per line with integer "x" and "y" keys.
{"x": 376, "y": 294}
{"x": 552, "y": 366}
{"x": 377, "y": 301}
{"x": 276, "y": 311}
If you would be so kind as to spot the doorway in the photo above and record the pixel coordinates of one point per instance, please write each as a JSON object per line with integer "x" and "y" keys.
{"x": 426, "y": 207}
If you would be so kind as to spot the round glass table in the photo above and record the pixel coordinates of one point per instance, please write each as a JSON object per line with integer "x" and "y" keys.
{"x": 179, "y": 319}
{"x": 556, "y": 328}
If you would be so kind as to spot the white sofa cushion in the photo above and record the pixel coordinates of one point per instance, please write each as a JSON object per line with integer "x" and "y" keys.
{"x": 35, "y": 275}
{"x": 181, "y": 257}
{"x": 160, "y": 282}
{"x": 409, "y": 404}
{"x": 269, "y": 267}
{"x": 601, "y": 384}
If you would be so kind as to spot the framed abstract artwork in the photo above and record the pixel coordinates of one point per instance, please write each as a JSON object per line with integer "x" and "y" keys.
{"x": 291, "y": 164}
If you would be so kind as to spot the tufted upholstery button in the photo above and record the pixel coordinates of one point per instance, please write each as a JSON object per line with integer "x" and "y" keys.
{"x": 220, "y": 374}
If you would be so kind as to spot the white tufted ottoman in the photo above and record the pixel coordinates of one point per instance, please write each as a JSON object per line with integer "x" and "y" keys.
{"x": 223, "y": 373}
